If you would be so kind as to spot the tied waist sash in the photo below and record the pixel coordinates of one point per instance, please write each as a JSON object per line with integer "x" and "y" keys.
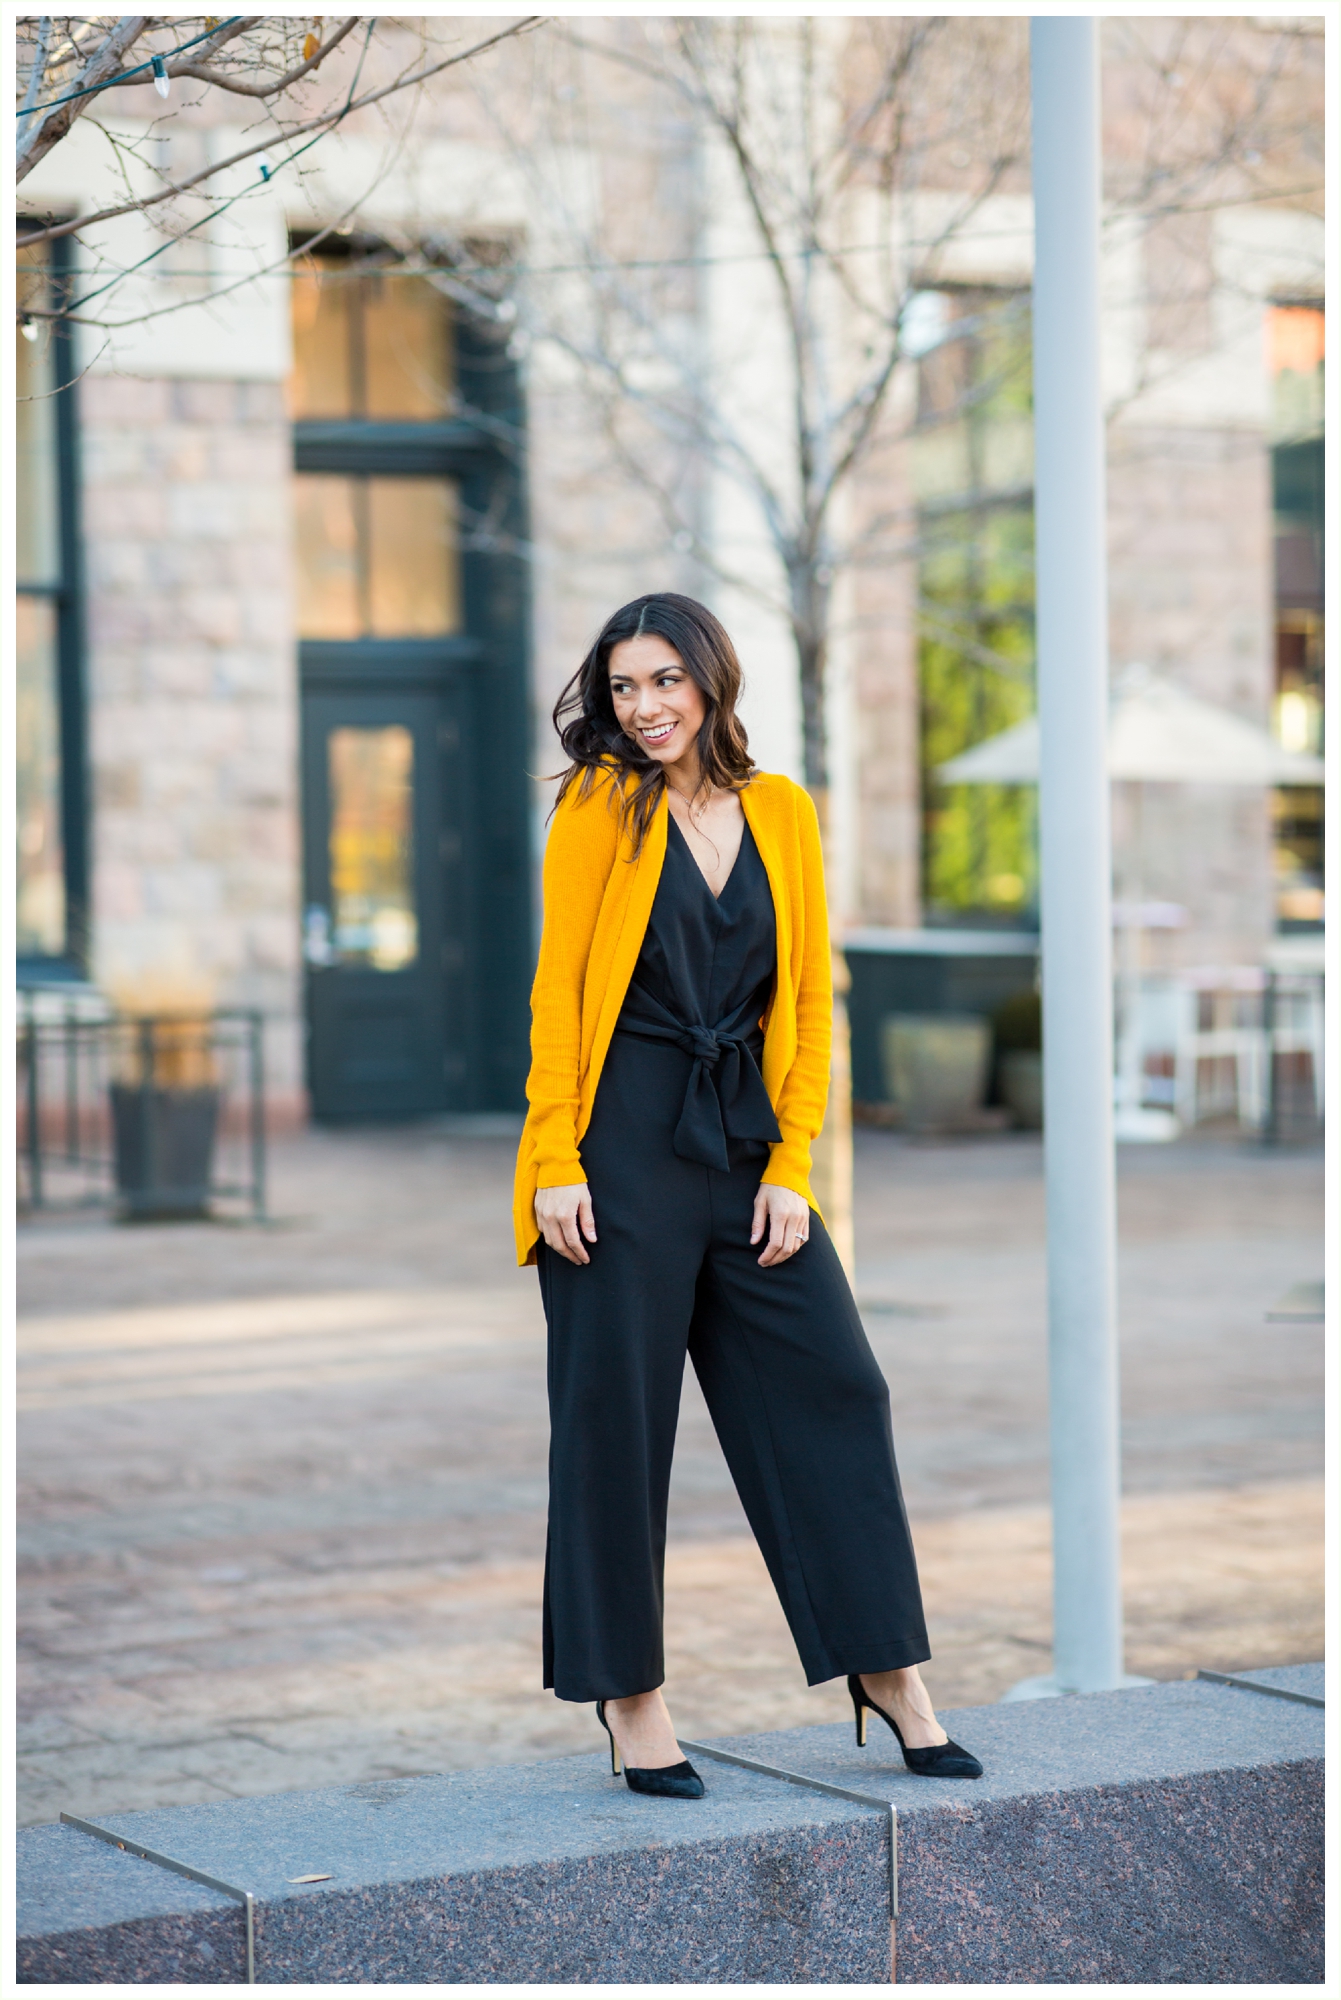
{"x": 725, "y": 1097}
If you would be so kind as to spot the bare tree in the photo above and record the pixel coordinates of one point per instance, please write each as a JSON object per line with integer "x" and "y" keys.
{"x": 298, "y": 77}
{"x": 830, "y": 132}
{"x": 860, "y": 152}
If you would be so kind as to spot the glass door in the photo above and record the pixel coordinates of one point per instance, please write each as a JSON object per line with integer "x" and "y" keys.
{"x": 379, "y": 932}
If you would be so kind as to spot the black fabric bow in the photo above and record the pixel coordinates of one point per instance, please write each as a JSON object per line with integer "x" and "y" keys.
{"x": 725, "y": 1097}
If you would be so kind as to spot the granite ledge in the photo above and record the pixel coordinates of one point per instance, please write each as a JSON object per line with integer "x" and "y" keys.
{"x": 1163, "y": 1835}
{"x": 550, "y": 1872}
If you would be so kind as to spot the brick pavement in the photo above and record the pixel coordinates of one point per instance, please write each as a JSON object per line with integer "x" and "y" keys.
{"x": 283, "y": 1489}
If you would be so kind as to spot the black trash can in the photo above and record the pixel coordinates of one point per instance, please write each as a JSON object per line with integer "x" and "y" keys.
{"x": 164, "y": 1149}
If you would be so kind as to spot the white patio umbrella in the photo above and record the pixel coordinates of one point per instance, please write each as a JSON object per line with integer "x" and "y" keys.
{"x": 1156, "y": 734}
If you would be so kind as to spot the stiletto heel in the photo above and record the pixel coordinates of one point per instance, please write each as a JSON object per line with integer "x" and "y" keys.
{"x": 616, "y": 1761}
{"x": 932, "y": 1760}
{"x": 670, "y": 1781}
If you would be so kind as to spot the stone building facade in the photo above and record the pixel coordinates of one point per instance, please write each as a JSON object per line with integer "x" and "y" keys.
{"x": 193, "y": 661}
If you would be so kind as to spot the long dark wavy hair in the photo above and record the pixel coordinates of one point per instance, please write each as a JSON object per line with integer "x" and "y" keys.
{"x": 584, "y": 714}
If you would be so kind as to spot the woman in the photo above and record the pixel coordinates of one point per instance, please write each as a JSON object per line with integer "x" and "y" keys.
{"x": 680, "y": 1066}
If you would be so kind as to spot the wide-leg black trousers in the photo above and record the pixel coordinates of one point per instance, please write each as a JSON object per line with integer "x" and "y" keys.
{"x": 796, "y": 1396}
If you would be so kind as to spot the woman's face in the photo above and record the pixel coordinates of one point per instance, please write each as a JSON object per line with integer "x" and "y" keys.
{"x": 657, "y": 701}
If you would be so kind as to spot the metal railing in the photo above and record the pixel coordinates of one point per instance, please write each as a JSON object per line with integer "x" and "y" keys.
{"x": 154, "y": 1116}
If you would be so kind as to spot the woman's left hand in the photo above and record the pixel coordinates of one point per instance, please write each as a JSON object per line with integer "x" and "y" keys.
{"x": 786, "y": 1216}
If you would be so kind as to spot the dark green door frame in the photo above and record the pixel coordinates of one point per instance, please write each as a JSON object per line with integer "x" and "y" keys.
{"x": 479, "y": 682}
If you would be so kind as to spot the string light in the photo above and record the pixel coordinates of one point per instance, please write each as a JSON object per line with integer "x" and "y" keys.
{"x": 162, "y": 81}
{"x": 30, "y": 329}
{"x": 266, "y": 166}
{"x": 154, "y": 63}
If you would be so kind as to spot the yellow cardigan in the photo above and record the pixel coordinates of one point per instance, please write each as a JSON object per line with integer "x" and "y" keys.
{"x": 597, "y": 902}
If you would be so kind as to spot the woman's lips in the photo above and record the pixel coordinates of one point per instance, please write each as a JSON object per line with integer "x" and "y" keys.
{"x": 659, "y": 734}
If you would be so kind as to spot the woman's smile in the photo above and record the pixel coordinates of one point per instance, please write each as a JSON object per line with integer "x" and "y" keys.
{"x": 646, "y": 673}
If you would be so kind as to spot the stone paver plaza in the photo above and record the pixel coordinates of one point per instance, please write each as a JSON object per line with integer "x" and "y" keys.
{"x": 282, "y": 1489}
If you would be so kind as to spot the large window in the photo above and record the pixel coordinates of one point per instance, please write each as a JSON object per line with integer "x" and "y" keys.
{"x": 378, "y": 534}
{"x": 51, "y": 901}
{"x": 378, "y": 557}
{"x": 369, "y": 343}
{"x": 973, "y": 475}
{"x": 1295, "y": 335}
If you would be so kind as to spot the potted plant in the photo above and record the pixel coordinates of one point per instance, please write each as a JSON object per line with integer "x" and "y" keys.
{"x": 936, "y": 1069}
{"x": 1017, "y": 1026}
{"x": 165, "y": 1117}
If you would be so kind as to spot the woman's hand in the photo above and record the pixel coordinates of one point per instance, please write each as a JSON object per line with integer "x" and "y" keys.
{"x": 561, "y": 1212}
{"x": 787, "y": 1216}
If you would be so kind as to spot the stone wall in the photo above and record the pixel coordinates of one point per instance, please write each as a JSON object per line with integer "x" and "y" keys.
{"x": 192, "y": 693}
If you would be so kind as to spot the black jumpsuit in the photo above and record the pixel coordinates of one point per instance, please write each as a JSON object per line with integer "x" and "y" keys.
{"x": 673, "y": 1155}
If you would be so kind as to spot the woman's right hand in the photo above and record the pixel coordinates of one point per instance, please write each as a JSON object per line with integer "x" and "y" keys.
{"x": 561, "y": 1212}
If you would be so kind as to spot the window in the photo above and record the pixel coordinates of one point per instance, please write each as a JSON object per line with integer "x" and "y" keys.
{"x": 1295, "y": 339}
{"x": 972, "y": 465}
{"x": 49, "y": 721}
{"x": 369, "y": 344}
{"x": 378, "y": 558}
{"x": 378, "y": 533}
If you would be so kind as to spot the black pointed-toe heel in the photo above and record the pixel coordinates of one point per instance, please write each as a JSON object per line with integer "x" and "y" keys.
{"x": 934, "y": 1760}
{"x": 672, "y": 1781}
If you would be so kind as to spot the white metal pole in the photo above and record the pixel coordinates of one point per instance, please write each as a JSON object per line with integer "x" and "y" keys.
{"x": 1075, "y": 854}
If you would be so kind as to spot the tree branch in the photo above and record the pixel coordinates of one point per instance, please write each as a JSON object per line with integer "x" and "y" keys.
{"x": 51, "y": 232}
{"x": 39, "y": 68}
{"x": 203, "y": 74}
{"x": 48, "y": 129}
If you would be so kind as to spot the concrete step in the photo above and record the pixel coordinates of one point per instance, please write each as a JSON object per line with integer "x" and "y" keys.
{"x": 1170, "y": 1834}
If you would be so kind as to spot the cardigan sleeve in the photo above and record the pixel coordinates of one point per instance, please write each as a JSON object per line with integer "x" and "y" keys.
{"x": 578, "y": 858}
{"x": 805, "y": 1089}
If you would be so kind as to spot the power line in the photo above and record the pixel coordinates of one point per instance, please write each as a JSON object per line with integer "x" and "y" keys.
{"x": 1009, "y": 293}
{"x": 347, "y": 270}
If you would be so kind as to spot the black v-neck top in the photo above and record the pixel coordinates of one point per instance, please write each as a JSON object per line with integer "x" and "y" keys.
{"x": 703, "y": 979}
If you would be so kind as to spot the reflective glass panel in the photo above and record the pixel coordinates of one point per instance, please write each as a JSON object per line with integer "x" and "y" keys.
{"x": 373, "y": 919}
{"x": 37, "y": 738}
{"x": 1296, "y": 343}
{"x": 36, "y": 468}
{"x": 414, "y": 559}
{"x": 369, "y": 344}
{"x": 322, "y": 383}
{"x": 407, "y": 349}
{"x": 327, "y": 507}
{"x": 377, "y": 558}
